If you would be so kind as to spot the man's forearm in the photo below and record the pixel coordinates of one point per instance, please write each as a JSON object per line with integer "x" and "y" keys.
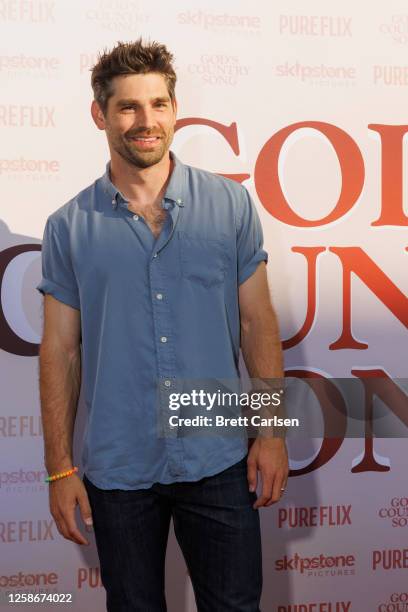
{"x": 60, "y": 381}
{"x": 261, "y": 347}
{"x": 262, "y": 352}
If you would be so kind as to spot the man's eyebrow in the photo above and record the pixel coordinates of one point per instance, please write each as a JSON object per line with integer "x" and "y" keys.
{"x": 132, "y": 101}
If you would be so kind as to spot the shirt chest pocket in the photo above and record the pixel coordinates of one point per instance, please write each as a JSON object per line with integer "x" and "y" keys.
{"x": 202, "y": 260}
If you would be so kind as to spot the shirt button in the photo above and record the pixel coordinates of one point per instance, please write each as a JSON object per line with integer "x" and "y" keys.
{"x": 167, "y": 383}
{"x": 163, "y": 339}
{"x": 155, "y": 255}
{"x": 178, "y": 201}
{"x": 159, "y": 296}
{"x": 135, "y": 217}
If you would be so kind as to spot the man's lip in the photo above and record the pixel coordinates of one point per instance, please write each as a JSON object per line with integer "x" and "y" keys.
{"x": 139, "y": 137}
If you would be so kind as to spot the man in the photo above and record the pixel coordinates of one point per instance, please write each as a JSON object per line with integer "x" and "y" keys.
{"x": 158, "y": 269}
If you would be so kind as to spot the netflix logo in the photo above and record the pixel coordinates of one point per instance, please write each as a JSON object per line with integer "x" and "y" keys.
{"x": 314, "y": 516}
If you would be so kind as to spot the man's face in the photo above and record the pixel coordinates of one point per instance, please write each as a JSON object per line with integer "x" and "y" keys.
{"x": 140, "y": 118}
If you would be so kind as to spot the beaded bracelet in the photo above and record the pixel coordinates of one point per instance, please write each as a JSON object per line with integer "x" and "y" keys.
{"x": 61, "y": 475}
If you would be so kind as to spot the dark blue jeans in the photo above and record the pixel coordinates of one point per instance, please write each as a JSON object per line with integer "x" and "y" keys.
{"x": 215, "y": 525}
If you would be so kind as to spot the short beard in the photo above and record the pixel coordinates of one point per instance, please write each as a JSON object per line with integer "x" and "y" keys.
{"x": 145, "y": 160}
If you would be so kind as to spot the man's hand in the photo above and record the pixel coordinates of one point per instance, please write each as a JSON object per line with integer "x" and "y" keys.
{"x": 65, "y": 494}
{"x": 270, "y": 457}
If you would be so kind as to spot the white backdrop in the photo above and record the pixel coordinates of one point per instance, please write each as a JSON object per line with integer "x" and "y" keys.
{"x": 331, "y": 195}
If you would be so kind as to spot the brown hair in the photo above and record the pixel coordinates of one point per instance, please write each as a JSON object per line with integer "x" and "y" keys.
{"x": 131, "y": 58}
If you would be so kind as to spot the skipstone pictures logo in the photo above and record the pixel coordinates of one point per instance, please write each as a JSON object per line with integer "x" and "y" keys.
{"x": 21, "y": 169}
{"x": 18, "y": 115}
{"x": 16, "y": 66}
{"x": 319, "y": 606}
{"x": 395, "y": 512}
{"x": 318, "y": 566}
{"x": 314, "y": 516}
{"x": 117, "y": 15}
{"x": 397, "y": 602}
{"x": 389, "y": 559}
{"x": 315, "y": 25}
{"x": 396, "y": 76}
{"x": 27, "y": 11}
{"x": 221, "y": 22}
{"x": 22, "y": 426}
{"x": 23, "y": 481}
{"x": 24, "y": 579}
{"x": 396, "y": 29}
{"x": 317, "y": 74}
{"x": 219, "y": 69}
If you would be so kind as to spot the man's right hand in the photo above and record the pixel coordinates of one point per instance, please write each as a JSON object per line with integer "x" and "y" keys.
{"x": 64, "y": 495}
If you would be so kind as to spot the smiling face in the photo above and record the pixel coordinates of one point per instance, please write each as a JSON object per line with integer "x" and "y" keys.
{"x": 140, "y": 118}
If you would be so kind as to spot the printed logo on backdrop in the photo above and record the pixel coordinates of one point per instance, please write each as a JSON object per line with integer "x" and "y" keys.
{"x": 395, "y": 512}
{"x": 23, "y": 426}
{"x": 30, "y": 531}
{"x": 21, "y": 115}
{"x": 29, "y": 66}
{"x": 23, "y": 481}
{"x": 389, "y": 559}
{"x": 314, "y": 516}
{"x": 44, "y": 583}
{"x": 315, "y": 25}
{"x": 396, "y": 29}
{"x": 21, "y": 169}
{"x": 116, "y": 15}
{"x": 86, "y": 62}
{"x": 397, "y": 602}
{"x": 218, "y": 69}
{"x": 317, "y": 75}
{"x": 28, "y": 11}
{"x": 317, "y": 566}
{"x": 24, "y": 579}
{"x": 395, "y": 76}
{"x": 89, "y": 577}
{"x": 318, "y": 606}
{"x": 222, "y": 23}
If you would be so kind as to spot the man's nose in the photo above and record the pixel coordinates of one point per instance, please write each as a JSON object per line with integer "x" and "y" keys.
{"x": 145, "y": 117}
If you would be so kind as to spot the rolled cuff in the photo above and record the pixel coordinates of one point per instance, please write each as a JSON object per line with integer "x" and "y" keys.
{"x": 252, "y": 265}
{"x": 60, "y": 293}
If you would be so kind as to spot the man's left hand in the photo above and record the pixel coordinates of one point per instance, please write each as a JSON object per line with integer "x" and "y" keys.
{"x": 270, "y": 457}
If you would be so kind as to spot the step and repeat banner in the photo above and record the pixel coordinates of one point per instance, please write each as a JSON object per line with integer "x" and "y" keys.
{"x": 306, "y": 104}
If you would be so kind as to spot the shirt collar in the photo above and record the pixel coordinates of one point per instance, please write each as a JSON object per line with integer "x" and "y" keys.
{"x": 175, "y": 188}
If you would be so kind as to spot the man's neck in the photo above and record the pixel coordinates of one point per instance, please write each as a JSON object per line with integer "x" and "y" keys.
{"x": 142, "y": 186}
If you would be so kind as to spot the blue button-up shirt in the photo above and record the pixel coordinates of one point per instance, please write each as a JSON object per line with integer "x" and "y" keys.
{"x": 153, "y": 311}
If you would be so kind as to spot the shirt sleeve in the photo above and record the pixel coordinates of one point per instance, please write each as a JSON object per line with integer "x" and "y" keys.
{"x": 250, "y": 250}
{"x": 58, "y": 277}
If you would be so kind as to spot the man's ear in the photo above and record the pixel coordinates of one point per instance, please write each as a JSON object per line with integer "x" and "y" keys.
{"x": 97, "y": 115}
{"x": 175, "y": 106}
